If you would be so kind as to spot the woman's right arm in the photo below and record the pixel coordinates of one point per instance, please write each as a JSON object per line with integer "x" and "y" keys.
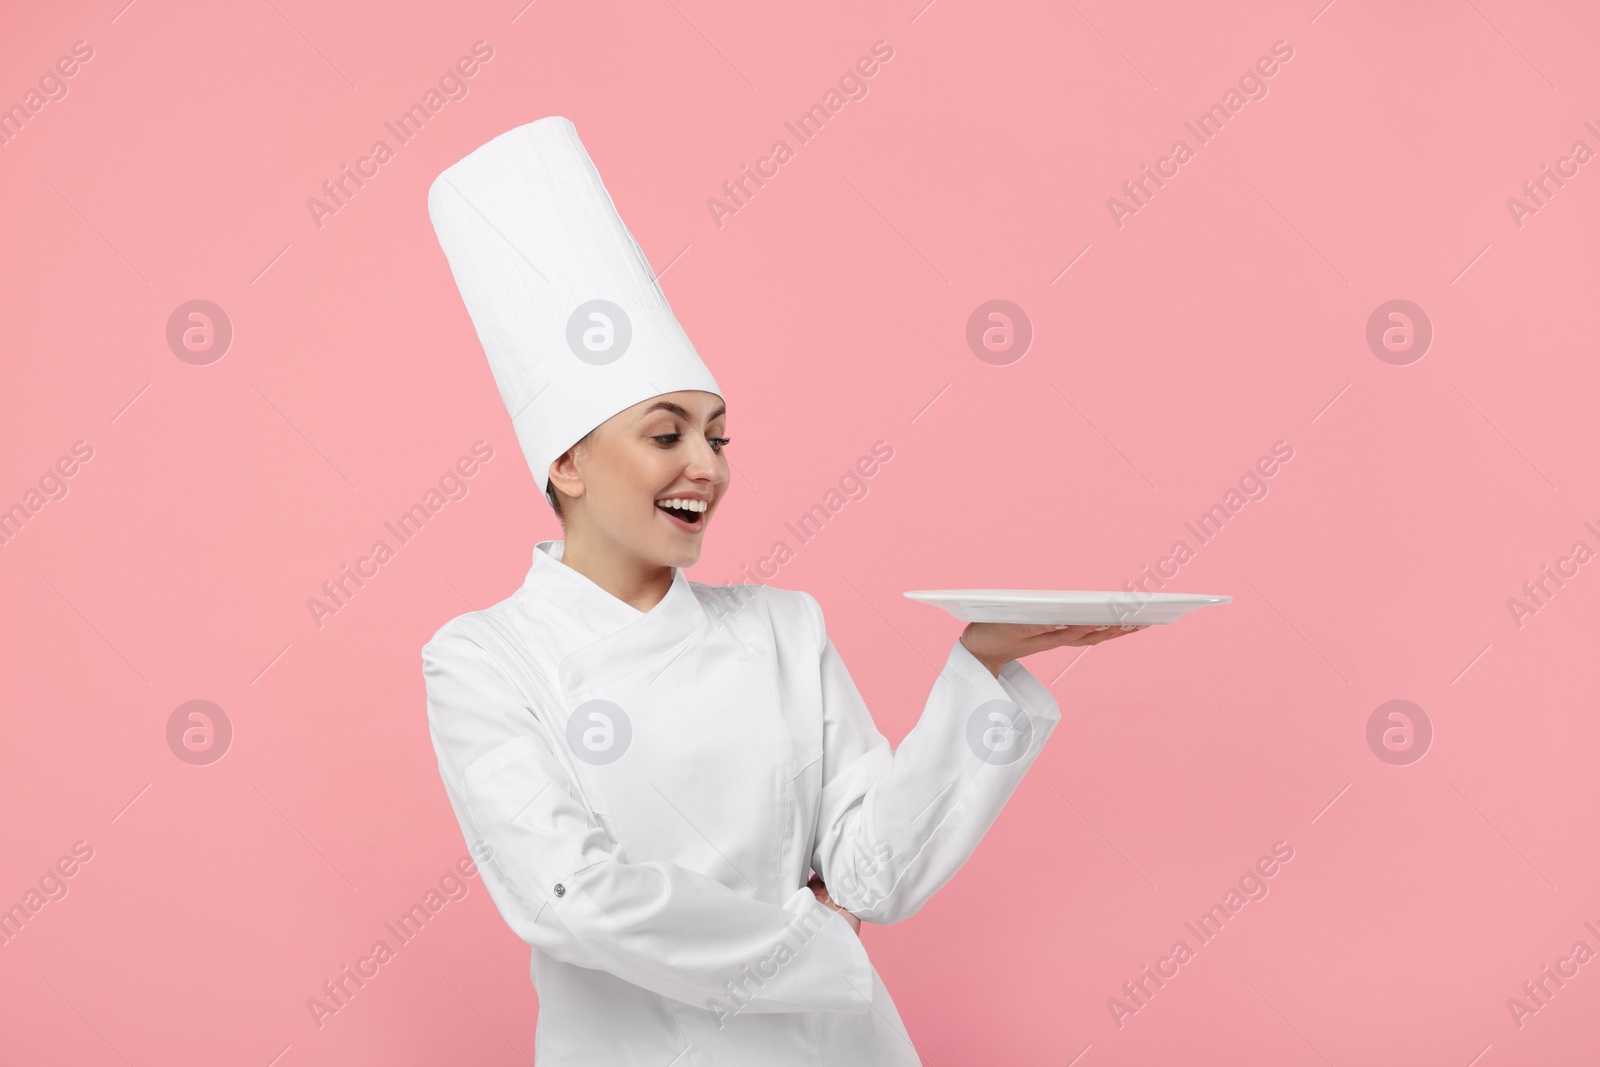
{"x": 550, "y": 867}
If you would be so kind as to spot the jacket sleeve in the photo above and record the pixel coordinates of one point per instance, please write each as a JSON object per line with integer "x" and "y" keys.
{"x": 896, "y": 825}
{"x": 550, "y": 869}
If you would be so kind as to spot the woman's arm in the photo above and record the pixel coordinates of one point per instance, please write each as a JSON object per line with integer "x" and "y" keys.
{"x": 897, "y": 824}
{"x": 550, "y": 868}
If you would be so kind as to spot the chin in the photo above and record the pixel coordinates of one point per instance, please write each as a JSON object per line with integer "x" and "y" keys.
{"x": 682, "y": 557}
{"x": 668, "y": 551}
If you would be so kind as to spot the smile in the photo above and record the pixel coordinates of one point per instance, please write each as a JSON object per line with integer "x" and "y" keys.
{"x": 685, "y": 514}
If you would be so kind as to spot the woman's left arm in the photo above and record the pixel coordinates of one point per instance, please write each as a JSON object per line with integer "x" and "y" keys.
{"x": 897, "y": 824}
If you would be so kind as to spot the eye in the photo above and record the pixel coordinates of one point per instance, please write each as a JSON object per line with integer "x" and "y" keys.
{"x": 667, "y": 440}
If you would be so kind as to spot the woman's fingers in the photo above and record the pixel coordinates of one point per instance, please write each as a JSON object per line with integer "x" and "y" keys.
{"x": 1074, "y": 631}
{"x": 820, "y": 891}
{"x": 999, "y": 643}
{"x": 1050, "y": 636}
{"x": 1093, "y": 635}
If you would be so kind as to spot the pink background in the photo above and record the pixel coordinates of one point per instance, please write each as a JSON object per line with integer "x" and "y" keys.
{"x": 1228, "y": 314}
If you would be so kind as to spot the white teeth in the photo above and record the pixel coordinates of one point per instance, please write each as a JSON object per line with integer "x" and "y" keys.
{"x": 685, "y": 505}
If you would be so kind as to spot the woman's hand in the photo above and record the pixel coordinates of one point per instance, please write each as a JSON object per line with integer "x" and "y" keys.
{"x": 994, "y": 644}
{"x": 820, "y": 891}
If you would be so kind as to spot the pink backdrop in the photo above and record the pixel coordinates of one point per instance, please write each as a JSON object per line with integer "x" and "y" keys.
{"x": 1176, "y": 340}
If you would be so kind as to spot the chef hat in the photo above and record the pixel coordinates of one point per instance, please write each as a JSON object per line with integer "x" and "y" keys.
{"x": 567, "y": 308}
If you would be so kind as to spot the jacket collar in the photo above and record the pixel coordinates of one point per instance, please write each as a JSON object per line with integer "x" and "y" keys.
{"x": 621, "y": 638}
{"x": 595, "y": 610}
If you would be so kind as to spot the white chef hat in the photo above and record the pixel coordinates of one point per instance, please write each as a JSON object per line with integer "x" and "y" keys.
{"x": 569, "y": 312}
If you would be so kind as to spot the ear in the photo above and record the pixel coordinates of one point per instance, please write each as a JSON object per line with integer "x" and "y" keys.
{"x": 565, "y": 476}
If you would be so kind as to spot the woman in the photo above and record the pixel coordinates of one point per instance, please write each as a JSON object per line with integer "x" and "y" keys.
{"x": 650, "y": 769}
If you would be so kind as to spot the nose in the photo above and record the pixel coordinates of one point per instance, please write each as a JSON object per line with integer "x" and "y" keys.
{"x": 704, "y": 464}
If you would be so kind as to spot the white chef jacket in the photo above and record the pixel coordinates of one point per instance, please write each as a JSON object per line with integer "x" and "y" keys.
{"x": 647, "y": 792}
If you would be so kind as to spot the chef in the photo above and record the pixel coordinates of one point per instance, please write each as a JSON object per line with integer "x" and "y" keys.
{"x": 676, "y": 794}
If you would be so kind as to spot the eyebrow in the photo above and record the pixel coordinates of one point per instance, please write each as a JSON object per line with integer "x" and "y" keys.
{"x": 680, "y": 411}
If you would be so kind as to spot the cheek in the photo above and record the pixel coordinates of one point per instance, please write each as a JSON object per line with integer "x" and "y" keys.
{"x": 658, "y": 467}
{"x": 650, "y": 469}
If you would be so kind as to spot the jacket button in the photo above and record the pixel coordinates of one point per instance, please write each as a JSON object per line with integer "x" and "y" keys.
{"x": 561, "y": 890}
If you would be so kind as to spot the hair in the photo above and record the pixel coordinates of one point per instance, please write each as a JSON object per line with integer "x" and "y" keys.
{"x": 551, "y": 493}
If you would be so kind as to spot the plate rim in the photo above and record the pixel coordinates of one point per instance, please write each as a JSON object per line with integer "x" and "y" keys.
{"x": 1047, "y": 596}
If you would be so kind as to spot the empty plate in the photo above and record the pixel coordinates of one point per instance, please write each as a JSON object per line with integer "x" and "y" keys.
{"x": 1075, "y": 607}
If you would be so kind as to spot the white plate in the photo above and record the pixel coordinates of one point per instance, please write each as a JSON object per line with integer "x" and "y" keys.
{"x": 1049, "y": 607}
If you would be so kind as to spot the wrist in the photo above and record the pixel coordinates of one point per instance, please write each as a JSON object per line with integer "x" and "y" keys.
{"x": 988, "y": 665}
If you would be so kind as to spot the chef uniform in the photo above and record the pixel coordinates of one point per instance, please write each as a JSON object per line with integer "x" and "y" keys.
{"x": 646, "y": 792}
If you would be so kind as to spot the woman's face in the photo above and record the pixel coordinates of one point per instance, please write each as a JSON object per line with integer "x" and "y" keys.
{"x": 666, "y": 448}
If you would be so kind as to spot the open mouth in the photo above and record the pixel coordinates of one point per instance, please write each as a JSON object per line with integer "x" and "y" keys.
{"x": 685, "y": 511}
